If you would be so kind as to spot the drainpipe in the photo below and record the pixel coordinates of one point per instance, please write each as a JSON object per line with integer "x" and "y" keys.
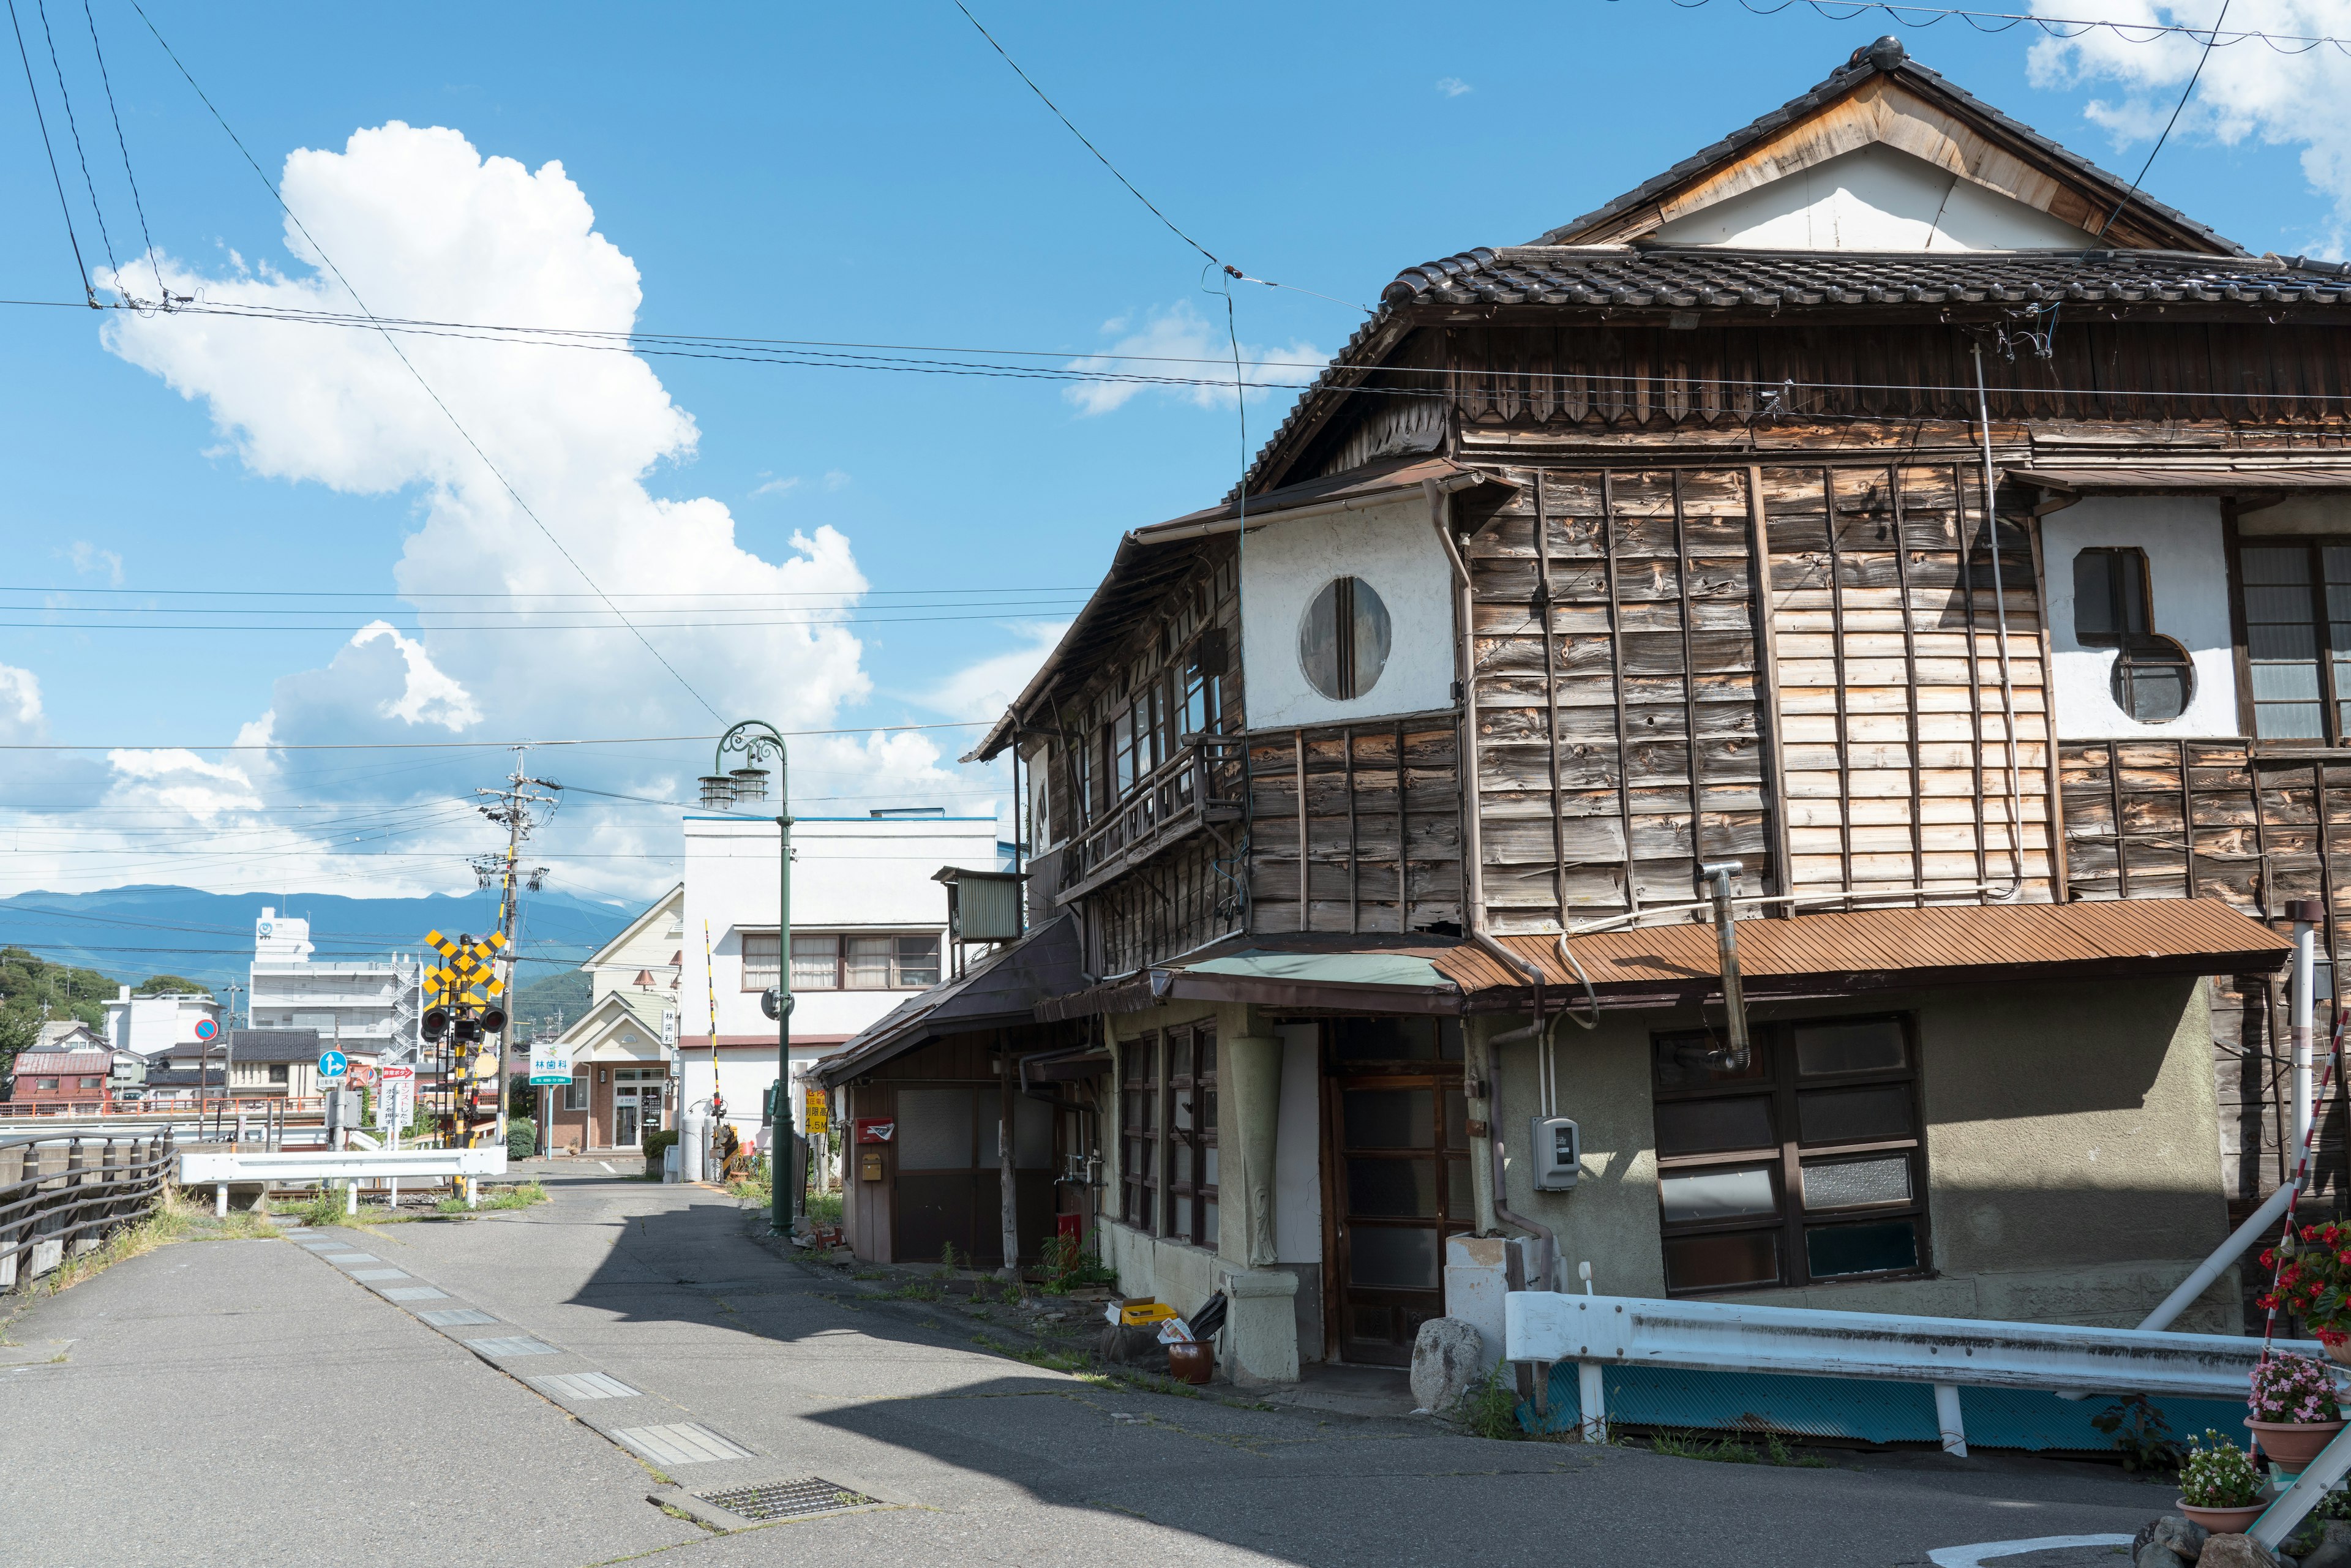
{"x": 2307, "y": 915}
{"x": 2000, "y": 620}
{"x": 1734, "y": 999}
{"x": 1473, "y": 879}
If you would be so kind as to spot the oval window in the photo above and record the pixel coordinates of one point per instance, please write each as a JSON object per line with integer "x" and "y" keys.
{"x": 2153, "y": 680}
{"x": 1342, "y": 641}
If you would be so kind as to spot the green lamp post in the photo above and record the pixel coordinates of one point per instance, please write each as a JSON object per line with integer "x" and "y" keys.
{"x": 754, "y": 740}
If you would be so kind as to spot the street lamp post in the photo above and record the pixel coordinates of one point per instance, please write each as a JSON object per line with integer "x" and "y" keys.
{"x": 755, "y": 739}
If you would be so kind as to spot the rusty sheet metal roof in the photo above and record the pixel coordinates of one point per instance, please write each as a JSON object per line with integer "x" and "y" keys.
{"x": 1905, "y": 947}
{"x": 2206, "y": 480}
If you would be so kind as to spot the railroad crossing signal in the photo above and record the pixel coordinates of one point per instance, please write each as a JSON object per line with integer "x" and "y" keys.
{"x": 465, "y": 976}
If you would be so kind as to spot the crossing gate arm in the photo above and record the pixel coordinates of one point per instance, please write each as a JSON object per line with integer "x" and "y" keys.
{"x": 210, "y": 1167}
{"x": 1721, "y": 1336}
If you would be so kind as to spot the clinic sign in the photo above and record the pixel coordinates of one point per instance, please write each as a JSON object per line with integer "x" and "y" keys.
{"x": 550, "y": 1063}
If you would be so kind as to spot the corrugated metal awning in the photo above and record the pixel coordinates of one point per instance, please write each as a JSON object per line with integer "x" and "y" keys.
{"x": 2169, "y": 481}
{"x": 1876, "y": 948}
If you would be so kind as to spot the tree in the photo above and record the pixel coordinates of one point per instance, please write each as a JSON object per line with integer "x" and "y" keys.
{"x": 164, "y": 985}
{"x": 32, "y": 988}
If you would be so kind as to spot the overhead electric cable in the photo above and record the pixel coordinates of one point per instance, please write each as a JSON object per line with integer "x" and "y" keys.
{"x": 2185, "y": 93}
{"x": 393, "y": 344}
{"x": 162, "y": 293}
{"x": 2129, "y": 32}
{"x": 462, "y": 744}
{"x": 81, "y": 269}
{"x": 1101, "y": 158}
{"x": 74, "y": 127}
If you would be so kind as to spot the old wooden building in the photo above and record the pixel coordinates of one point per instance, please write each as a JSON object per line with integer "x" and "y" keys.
{"x": 1886, "y": 501}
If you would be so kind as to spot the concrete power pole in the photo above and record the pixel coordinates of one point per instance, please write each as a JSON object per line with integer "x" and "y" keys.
{"x": 510, "y": 807}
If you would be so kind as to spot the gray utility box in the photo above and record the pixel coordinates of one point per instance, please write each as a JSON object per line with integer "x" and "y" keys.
{"x": 1558, "y": 1145}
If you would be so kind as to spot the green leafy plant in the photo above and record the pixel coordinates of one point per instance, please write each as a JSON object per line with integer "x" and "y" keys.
{"x": 1072, "y": 1261}
{"x": 2312, "y": 1279}
{"x": 2140, "y": 1435}
{"x": 2218, "y": 1474}
{"x": 949, "y": 1261}
{"x": 323, "y": 1208}
{"x": 1490, "y": 1408}
{"x": 522, "y": 1140}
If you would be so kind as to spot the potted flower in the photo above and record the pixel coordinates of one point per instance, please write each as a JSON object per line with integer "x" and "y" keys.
{"x": 2293, "y": 1412}
{"x": 2313, "y": 1282}
{"x": 2218, "y": 1486}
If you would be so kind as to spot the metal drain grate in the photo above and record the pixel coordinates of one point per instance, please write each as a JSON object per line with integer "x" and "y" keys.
{"x": 786, "y": 1499}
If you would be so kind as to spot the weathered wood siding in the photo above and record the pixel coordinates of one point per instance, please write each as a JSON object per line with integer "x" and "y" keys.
{"x": 1356, "y": 828}
{"x": 2214, "y": 819}
{"x": 1626, "y": 664}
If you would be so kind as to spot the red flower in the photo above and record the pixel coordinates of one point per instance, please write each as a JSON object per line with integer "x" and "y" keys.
{"x": 2268, "y": 1258}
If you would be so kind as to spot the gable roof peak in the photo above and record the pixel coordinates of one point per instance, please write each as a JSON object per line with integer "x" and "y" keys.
{"x": 1955, "y": 130}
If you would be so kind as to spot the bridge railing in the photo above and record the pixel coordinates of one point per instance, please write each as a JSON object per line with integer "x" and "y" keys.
{"x": 64, "y": 1195}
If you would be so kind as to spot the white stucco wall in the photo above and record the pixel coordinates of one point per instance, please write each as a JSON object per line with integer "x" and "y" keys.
{"x": 2188, "y": 577}
{"x": 849, "y": 873}
{"x": 1298, "y": 1149}
{"x": 1393, "y": 548}
{"x": 1874, "y": 198}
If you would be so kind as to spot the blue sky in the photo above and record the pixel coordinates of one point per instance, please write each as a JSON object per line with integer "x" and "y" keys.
{"x": 818, "y": 174}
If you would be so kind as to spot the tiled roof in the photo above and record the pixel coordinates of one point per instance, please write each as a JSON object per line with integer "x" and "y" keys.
{"x": 1708, "y": 278}
{"x": 1884, "y": 58}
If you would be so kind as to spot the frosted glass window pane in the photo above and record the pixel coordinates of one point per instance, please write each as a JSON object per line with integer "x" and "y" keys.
{"x": 1851, "y": 1182}
{"x": 1864, "y": 1047}
{"x": 935, "y": 1129}
{"x": 2285, "y": 682}
{"x": 1396, "y": 1257}
{"x": 1719, "y": 1194}
{"x": 759, "y": 961}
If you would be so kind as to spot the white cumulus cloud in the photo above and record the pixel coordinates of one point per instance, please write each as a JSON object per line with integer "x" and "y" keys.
{"x": 430, "y": 695}
{"x": 985, "y": 689}
{"x": 1179, "y": 341}
{"x": 2247, "y": 90}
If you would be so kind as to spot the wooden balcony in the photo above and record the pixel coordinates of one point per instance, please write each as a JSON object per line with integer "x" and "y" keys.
{"x": 1200, "y": 785}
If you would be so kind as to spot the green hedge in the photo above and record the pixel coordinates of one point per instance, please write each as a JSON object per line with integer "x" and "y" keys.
{"x": 522, "y": 1139}
{"x": 655, "y": 1143}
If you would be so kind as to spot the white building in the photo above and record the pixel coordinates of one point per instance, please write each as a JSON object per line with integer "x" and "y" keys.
{"x": 150, "y": 1026}
{"x": 623, "y": 1047}
{"x": 372, "y": 1004}
{"x": 869, "y": 928}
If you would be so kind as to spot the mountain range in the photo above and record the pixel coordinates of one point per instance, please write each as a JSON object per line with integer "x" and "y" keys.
{"x": 130, "y": 933}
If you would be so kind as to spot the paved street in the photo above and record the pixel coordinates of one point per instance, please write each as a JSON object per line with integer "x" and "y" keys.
{"x": 288, "y": 1401}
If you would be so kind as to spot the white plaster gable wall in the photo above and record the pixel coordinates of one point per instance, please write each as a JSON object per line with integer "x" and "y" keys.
{"x": 1874, "y": 198}
{"x": 2188, "y": 578}
{"x": 1394, "y": 547}
{"x": 649, "y": 944}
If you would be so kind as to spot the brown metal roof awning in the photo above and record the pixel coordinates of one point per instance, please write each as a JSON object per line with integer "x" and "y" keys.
{"x": 2182, "y": 481}
{"x": 1877, "y": 949}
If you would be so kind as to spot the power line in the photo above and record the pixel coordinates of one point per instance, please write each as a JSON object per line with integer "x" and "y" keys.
{"x": 695, "y": 595}
{"x": 393, "y": 344}
{"x": 81, "y": 269}
{"x": 2129, "y": 32}
{"x": 73, "y": 126}
{"x": 162, "y": 293}
{"x": 2185, "y": 94}
{"x": 467, "y": 745}
{"x": 341, "y": 628}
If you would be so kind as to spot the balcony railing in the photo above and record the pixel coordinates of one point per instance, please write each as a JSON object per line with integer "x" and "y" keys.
{"x": 1199, "y": 785}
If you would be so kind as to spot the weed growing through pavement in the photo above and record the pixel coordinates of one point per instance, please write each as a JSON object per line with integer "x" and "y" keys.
{"x": 177, "y": 1218}
{"x": 521, "y": 1197}
{"x": 1731, "y": 1451}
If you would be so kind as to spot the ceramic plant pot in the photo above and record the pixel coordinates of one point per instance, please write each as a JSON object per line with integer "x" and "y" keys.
{"x": 1190, "y": 1361}
{"x": 2224, "y": 1521}
{"x": 2293, "y": 1443}
{"x": 2341, "y": 1352}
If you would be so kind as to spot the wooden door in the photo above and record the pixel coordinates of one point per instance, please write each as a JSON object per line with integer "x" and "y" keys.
{"x": 1396, "y": 1151}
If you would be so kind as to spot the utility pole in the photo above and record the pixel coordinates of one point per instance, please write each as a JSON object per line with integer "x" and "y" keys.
{"x": 510, "y": 807}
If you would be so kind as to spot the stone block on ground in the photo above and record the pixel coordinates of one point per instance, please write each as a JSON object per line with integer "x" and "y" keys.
{"x": 1448, "y": 1360}
{"x": 2235, "y": 1552}
{"x": 2174, "y": 1533}
{"x": 2333, "y": 1548}
{"x": 1125, "y": 1344}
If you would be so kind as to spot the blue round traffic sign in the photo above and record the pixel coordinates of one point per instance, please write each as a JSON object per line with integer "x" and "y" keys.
{"x": 207, "y": 1029}
{"x": 332, "y": 1064}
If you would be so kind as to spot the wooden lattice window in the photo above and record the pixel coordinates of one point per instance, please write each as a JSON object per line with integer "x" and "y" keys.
{"x": 2295, "y": 603}
{"x": 1191, "y": 1057}
{"x": 1138, "y": 1130}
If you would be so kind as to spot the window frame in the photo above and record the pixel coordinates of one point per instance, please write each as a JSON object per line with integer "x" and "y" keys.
{"x": 2325, "y": 648}
{"x": 898, "y": 964}
{"x": 574, "y": 1092}
{"x": 1193, "y": 1047}
{"x": 774, "y": 971}
{"x": 2136, "y": 648}
{"x": 1139, "y": 1139}
{"x": 1786, "y": 1159}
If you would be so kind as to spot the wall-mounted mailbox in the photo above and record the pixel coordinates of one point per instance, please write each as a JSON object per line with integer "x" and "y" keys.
{"x": 1557, "y": 1144}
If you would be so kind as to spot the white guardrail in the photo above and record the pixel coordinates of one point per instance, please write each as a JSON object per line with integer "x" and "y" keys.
{"x": 202, "y": 1167}
{"x": 1720, "y": 1336}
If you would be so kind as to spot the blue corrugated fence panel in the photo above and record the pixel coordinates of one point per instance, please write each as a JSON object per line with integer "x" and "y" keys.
{"x": 1870, "y": 1410}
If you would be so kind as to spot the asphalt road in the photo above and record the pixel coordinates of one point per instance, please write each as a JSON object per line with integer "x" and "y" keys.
{"x": 262, "y": 1402}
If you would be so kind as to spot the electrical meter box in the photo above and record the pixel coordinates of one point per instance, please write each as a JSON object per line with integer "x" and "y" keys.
{"x": 1558, "y": 1145}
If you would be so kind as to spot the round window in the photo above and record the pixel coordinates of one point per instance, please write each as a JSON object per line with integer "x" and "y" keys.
{"x": 1342, "y": 641}
{"x": 2153, "y": 681}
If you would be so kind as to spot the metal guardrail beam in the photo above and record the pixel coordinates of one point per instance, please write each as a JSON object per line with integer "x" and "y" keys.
{"x": 1948, "y": 1353}
{"x": 202, "y": 1167}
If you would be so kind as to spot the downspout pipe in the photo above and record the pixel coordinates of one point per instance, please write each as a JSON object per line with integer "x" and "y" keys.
{"x": 1473, "y": 903}
{"x": 1726, "y": 938}
{"x": 2307, "y": 915}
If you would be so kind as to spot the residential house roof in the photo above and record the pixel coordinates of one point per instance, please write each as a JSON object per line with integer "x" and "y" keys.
{"x": 637, "y": 927}
{"x": 1004, "y": 987}
{"x": 64, "y": 1034}
{"x": 591, "y": 1036}
{"x": 272, "y": 1045}
{"x": 63, "y": 1063}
